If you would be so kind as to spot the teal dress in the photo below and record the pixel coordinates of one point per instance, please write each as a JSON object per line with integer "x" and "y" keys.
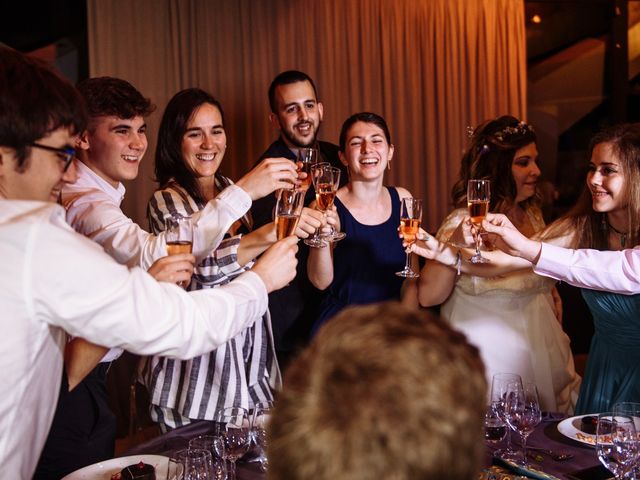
{"x": 613, "y": 368}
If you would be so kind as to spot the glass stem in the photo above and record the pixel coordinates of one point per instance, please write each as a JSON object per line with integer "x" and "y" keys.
{"x": 407, "y": 266}
{"x": 478, "y": 244}
{"x": 232, "y": 470}
{"x": 524, "y": 450}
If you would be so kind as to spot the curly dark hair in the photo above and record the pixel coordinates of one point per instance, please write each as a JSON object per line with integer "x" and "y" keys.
{"x": 490, "y": 156}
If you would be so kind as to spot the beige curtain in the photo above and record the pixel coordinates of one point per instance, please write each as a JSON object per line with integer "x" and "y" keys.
{"x": 430, "y": 67}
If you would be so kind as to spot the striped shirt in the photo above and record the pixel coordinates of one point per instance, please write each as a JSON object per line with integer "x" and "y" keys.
{"x": 242, "y": 372}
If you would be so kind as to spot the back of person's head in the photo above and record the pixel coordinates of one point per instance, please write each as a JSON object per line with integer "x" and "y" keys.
{"x": 287, "y": 78}
{"x": 365, "y": 117}
{"x": 382, "y": 392}
{"x": 170, "y": 163}
{"x": 34, "y": 101}
{"x": 114, "y": 97}
{"x": 490, "y": 156}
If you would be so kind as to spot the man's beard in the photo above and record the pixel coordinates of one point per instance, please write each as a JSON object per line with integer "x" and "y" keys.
{"x": 293, "y": 141}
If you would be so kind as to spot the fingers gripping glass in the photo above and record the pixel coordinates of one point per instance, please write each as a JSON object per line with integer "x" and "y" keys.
{"x": 410, "y": 218}
{"x": 478, "y": 197}
{"x": 66, "y": 154}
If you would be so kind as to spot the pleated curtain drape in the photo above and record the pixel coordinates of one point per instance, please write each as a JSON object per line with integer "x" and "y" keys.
{"x": 430, "y": 67}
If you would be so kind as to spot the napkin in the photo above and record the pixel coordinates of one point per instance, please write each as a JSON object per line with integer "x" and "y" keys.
{"x": 528, "y": 471}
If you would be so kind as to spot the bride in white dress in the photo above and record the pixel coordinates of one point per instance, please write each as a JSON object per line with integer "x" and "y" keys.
{"x": 513, "y": 319}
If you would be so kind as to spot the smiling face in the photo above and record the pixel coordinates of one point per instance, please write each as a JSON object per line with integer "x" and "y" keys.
{"x": 606, "y": 180}
{"x": 525, "y": 171}
{"x": 366, "y": 152}
{"x": 43, "y": 173}
{"x": 298, "y": 114}
{"x": 204, "y": 141}
{"x": 113, "y": 147}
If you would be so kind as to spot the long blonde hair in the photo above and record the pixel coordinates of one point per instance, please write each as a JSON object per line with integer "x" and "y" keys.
{"x": 591, "y": 229}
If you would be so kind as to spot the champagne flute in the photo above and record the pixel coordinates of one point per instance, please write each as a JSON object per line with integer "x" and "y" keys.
{"x": 179, "y": 237}
{"x": 326, "y": 185}
{"x": 234, "y": 428}
{"x": 316, "y": 240}
{"x": 288, "y": 208}
{"x": 499, "y": 384}
{"x": 523, "y": 411}
{"x": 307, "y": 157}
{"x": 478, "y": 197}
{"x": 410, "y": 218}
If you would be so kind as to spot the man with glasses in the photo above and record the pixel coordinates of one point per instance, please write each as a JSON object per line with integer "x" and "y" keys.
{"x": 55, "y": 281}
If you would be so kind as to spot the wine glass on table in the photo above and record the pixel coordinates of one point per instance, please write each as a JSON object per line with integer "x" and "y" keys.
{"x": 288, "y": 208}
{"x": 522, "y": 411}
{"x": 630, "y": 410}
{"x": 179, "y": 237}
{"x": 308, "y": 157}
{"x": 234, "y": 427}
{"x": 478, "y": 197}
{"x": 495, "y": 428}
{"x": 410, "y": 218}
{"x": 260, "y": 420}
{"x": 215, "y": 445}
{"x": 499, "y": 384}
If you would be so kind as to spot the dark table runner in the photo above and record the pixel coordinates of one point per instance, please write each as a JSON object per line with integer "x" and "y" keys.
{"x": 546, "y": 435}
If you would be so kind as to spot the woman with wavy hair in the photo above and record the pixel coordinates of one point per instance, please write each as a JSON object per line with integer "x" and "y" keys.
{"x": 512, "y": 319}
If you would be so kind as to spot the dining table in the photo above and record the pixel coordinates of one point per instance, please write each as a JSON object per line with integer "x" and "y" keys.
{"x": 546, "y": 435}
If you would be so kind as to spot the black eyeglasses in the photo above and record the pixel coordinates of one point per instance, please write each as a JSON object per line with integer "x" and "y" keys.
{"x": 66, "y": 154}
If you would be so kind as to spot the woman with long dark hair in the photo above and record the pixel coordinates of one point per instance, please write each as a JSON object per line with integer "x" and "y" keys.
{"x": 511, "y": 318}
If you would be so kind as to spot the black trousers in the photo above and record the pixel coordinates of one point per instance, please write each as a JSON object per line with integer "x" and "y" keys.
{"x": 83, "y": 429}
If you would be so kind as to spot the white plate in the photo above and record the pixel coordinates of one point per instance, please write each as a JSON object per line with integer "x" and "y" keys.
{"x": 104, "y": 470}
{"x": 570, "y": 427}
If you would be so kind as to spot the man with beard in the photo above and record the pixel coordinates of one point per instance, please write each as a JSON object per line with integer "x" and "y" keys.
{"x": 297, "y": 114}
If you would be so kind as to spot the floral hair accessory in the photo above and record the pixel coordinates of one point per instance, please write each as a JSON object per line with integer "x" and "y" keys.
{"x": 518, "y": 129}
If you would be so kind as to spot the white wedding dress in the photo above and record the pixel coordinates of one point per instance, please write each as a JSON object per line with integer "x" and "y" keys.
{"x": 511, "y": 320}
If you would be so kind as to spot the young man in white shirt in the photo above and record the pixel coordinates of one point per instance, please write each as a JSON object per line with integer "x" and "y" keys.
{"x": 54, "y": 280}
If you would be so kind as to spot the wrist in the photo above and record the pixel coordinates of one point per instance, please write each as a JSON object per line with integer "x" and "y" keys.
{"x": 531, "y": 251}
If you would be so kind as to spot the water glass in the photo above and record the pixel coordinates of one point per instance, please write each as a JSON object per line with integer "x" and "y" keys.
{"x": 499, "y": 384}
{"x": 215, "y": 445}
{"x": 522, "y": 411}
{"x": 234, "y": 427}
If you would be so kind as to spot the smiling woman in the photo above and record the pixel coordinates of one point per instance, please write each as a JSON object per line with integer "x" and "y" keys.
{"x": 516, "y": 310}
{"x": 361, "y": 268}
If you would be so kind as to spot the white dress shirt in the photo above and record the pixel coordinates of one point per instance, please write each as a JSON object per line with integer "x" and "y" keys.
{"x": 612, "y": 271}
{"x": 53, "y": 280}
{"x": 93, "y": 209}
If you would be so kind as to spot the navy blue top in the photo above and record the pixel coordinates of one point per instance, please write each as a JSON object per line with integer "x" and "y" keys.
{"x": 364, "y": 262}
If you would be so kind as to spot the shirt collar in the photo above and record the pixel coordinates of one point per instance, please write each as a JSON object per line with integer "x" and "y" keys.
{"x": 87, "y": 178}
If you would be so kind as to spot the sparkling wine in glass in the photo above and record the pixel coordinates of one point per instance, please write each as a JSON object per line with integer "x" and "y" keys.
{"x": 234, "y": 427}
{"x": 522, "y": 411}
{"x": 316, "y": 240}
{"x": 288, "y": 209}
{"x": 326, "y": 185}
{"x": 179, "y": 237}
{"x": 499, "y": 384}
{"x": 410, "y": 218}
{"x": 478, "y": 197}
{"x": 307, "y": 157}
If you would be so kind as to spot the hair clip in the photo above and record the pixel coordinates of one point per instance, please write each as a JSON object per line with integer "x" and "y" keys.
{"x": 470, "y": 131}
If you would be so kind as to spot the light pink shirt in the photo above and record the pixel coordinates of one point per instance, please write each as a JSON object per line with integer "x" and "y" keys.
{"x": 612, "y": 271}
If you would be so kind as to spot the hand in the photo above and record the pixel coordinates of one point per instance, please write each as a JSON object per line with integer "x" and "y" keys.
{"x": 330, "y": 221}
{"x": 509, "y": 239}
{"x": 425, "y": 245}
{"x": 277, "y": 266}
{"x": 173, "y": 268}
{"x": 310, "y": 220}
{"x": 268, "y": 176}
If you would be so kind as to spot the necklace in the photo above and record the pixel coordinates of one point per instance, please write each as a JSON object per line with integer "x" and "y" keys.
{"x": 622, "y": 235}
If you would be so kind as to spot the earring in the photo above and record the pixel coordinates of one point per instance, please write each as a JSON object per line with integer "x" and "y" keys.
{"x": 389, "y": 165}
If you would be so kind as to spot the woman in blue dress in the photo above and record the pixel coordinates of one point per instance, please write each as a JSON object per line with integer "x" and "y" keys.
{"x": 361, "y": 268}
